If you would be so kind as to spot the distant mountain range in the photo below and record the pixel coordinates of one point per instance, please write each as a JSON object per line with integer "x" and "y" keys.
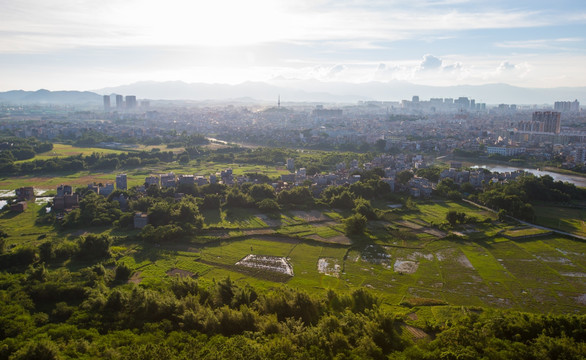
{"x": 303, "y": 91}
{"x": 49, "y": 97}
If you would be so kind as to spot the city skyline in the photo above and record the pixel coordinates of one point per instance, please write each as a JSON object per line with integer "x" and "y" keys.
{"x": 87, "y": 45}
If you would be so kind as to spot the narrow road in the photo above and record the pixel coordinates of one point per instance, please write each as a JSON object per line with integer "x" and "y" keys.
{"x": 527, "y": 223}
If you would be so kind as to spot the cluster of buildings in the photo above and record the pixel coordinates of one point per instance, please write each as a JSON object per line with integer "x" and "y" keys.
{"x": 123, "y": 103}
{"x": 23, "y": 195}
{"x": 567, "y": 106}
{"x": 542, "y": 122}
{"x": 443, "y": 104}
{"x": 477, "y": 177}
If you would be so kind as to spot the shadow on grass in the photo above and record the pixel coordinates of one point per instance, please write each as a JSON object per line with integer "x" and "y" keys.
{"x": 212, "y": 216}
{"x": 9, "y": 214}
{"x": 151, "y": 252}
{"x": 239, "y": 214}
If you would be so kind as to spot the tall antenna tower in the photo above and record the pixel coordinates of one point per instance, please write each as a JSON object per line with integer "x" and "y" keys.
{"x": 279, "y": 101}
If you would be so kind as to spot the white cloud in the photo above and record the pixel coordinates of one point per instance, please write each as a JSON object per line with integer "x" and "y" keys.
{"x": 430, "y": 62}
{"x": 63, "y": 24}
{"x": 506, "y": 66}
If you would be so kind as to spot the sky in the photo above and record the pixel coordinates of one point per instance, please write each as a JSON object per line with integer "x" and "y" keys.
{"x": 87, "y": 45}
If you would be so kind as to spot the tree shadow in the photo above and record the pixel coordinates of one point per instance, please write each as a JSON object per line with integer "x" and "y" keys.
{"x": 212, "y": 216}
{"x": 9, "y": 214}
{"x": 151, "y": 252}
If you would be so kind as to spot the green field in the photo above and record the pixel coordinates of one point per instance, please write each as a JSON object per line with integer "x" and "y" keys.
{"x": 135, "y": 176}
{"x": 63, "y": 150}
{"x": 566, "y": 219}
{"x": 530, "y": 276}
{"x": 478, "y": 268}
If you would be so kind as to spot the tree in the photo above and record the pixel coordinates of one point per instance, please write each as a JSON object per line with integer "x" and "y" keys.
{"x": 342, "y": 201}
{"x": 237, "y": 198}
{"x": 404, "y": 176}
{"x": 183, "y": 158}
{"x": 452, "y": 217}
{"x": 38, "y": 350}
{"x": 380, "y": 145}
{"x": 259, "y": 192}
{"x": 211, "y": 201}
{"x": 355, "y": 224}
{"x": 123, "y": 272}
{"x": 268, "y": 206}
{"x": 364, "y": 207}
{"x": 95, "y": 246}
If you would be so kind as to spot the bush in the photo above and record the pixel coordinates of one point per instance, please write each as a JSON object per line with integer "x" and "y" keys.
{"x": 355, "y": 224}
{"x": 268, "y": 206}
{"x": 123, "y": 272}
{"x": 95, "y": 246}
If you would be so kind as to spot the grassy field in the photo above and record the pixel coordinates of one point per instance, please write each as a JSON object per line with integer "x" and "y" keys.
{"x": 135, "y": 176}
{"x": 482, "y": 268}
{"x": 566, "y": 219}
{"x": 62, "y": 150}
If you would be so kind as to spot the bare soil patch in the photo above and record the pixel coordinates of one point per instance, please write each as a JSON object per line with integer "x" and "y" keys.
{"x": 435, "y": 232}
{"x": 463, "y": 260}
{"x": 417, "y": 333}
{"x": 135, "y": 278}
{"x": 418, "y": 255}
{"x": 340, "y": 239}
{"x": 405, "y": 266}
{"x": 310, "y": 216}
{"x": 268, "y": 220}
{"x": 180, "y": 273}
{"x": 329, "y": 266}
{"x": 409, "y": 224}
{"x": 376, "y": 255}
{"x": 267, "y": 262}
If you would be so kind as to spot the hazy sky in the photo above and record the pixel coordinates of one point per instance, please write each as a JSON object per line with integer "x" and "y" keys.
{"x": 61, "y": 44}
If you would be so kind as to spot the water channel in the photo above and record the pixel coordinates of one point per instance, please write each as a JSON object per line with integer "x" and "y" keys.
{"x": 576, "y": 180}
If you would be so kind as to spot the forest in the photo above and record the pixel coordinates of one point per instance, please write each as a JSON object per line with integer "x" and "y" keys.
{"x": 89, "y": 313}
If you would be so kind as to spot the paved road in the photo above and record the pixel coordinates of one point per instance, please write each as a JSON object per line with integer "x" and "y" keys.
{"x": 529, "y": 224}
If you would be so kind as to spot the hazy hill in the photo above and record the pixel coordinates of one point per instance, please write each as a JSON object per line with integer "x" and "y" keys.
{"x": 49, "y": 97}
{"x": 312, "y": 90}
{"x": 291, "y": 90}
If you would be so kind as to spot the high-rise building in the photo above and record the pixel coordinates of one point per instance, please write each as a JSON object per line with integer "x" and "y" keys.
{"x": 119, "y": 102}
{"x": 130, "y": 102}
{"x": 106, "y": 103}
{"x": 567, "y": 106}
{"x": 551, "y": 120}
{"x": 290, "y": 164}
{"x": 121, "y": 182}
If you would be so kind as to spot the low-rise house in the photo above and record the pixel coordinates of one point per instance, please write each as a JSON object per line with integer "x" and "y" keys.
{"x": 151, "y": 180}
{"x": 66, "y": 202}
{"x": 168, "y": 180}
{"x": 26, "y": 193}
{"x": 18, "y": 207}
{"x": 64, "y": 190}
{"x": 140, "y": 220}
{"x": 186, "y": 179}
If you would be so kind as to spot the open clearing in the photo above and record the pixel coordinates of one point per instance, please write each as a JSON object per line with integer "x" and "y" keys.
{"x": 268, "y": 263}
{"x": 572, "y": 220}
{"x": 483, "y": 269}
{"x": 329, "y": 266}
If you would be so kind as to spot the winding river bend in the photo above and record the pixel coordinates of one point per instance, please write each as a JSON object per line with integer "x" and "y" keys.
{"x": 576, "y": 180}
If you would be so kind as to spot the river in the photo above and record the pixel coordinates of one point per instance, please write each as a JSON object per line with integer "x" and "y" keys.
{"x": 576, "y": 180}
